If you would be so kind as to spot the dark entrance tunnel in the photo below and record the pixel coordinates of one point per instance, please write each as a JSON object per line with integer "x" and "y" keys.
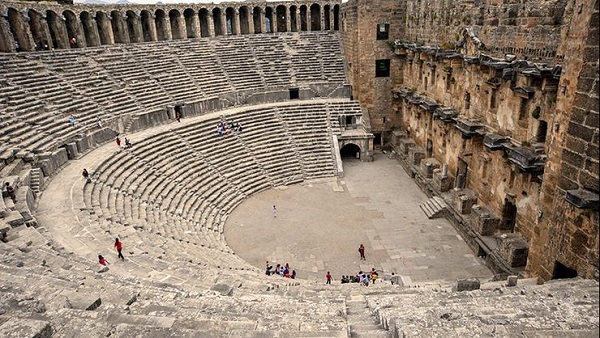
{"x": 350, "y": 151}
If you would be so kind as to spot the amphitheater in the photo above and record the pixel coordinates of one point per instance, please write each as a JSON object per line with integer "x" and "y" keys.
{"x": 465, "y": 159}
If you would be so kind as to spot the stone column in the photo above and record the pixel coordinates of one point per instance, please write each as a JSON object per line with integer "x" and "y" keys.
{"x": 138, "y": 32}
{"x": 261, "y": 20}
{"x": 250, "y": 21}
{"x": 196, "y": 24}
{"x": 27, "y": 43}
{"x": 322, "y": 18}
{"x": 308, "y": 20}
{"x": 167, "y": 28}
{"x": 224, "y": 22}
{"x": 60, "y": 31}
{"x": 94, "y": 37}
{"x": 152, "y": 28}
{"x": 274, "y": 21}
{"x": 182, "y": 26}
{"x": 288, "y": 20}
{"x": 7, "y": 43}
{"x": 331, "y": 19}
{"x": 211, "y": 25}
{"x": 236, "y": 22}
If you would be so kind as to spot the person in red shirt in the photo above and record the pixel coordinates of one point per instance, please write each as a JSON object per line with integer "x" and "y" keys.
{"x": 328, "y": 276}
{"x": 119, "y": 247}
{"x": 361, "y": 250}
{"x": 102, "y": 261}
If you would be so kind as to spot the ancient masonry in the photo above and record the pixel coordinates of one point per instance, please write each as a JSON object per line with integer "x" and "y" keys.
{"x": 491, "y": 105}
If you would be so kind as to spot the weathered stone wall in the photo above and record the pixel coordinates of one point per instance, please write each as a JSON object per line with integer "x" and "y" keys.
{"x": 527, "y": 29}
{"x": 565, "y": 233}
{"x": 360, "y": 20}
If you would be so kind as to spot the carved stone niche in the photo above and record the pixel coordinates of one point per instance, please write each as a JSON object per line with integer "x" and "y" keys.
{"x": 398, "y": 135}
{"x": 513, "y": 249}
{"x": 486, "y": 223}
{"x": 428, "y": 165}
{"x": 464, "y": 202}
{"x": 583, "y": 199}
{"x": 415, "y": 155}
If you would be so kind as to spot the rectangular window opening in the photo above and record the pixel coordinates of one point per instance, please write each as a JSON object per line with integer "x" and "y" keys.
{"x": 383, "y": 31}
{"x": 382, "y": 68}
{"x": 294, "y": 93}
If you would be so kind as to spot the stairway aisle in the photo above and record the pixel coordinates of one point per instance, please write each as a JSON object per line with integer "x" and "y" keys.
{"x": 361, "y": 322}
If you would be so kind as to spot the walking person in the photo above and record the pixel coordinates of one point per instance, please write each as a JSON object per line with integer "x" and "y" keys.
{"x": 274, "y": 212}
{"x": 329, "y": 278}
{"x": 86, "y": 175}
{"x": 361, "y": 250}
{"x": 118, "y": 141}
{"x": 119, "y": 247}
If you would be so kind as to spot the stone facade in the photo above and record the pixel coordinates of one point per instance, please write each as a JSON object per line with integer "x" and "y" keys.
{"x": 26, "y": 26}
{"x": 506, "y": 96}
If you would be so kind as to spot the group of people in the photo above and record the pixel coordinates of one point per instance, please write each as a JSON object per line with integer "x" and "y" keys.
{"x": 281, "y": 270}
{"x": 127, "y": 142}
{"x": 224, "y": 128}
{"x": 104, "y": 263}
{"x": 365, "y": 278}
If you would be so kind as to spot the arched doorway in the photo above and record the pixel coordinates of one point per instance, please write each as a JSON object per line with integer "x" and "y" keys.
{"x": 204, "y": 26}
{"x": 315, "y": 17}
{"x": 147, "y": 26}
{"x": 281, "y": 18}
{"x": 160, "y": 21}
{"x": 350, "y": 151}
{"x": 293, "y": 18}
{"x": 244, "y": 20}
{"x": 176, "y": 25}
{"x": 190, "y": 26}
{"x": 57, "y": 30}
{"x": 336, "y": 17}
{"x": 217, "y": 22}
{"x": 90, "y": 31}
{"x": 133, "y": 27}
{"x": 327, "y": 14}
{"x": 72, "y": 26}
{"x": 17, "y": 28}
{"x": 119, "y": 32}
{"x": 256, "y": 19}
{"x": 269, "y": 20}
{"x": 303, "y": 19}
{"x": 230, "y": 21}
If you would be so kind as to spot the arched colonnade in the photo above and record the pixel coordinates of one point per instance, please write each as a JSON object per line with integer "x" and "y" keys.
{"x": 31, "y": 29}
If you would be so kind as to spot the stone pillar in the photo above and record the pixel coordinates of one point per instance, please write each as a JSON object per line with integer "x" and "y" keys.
{"x": 152, "y": 28}
{"x": 211, "y": 25}
{"x": 250, "y": 22}
{"x": 60, "y": 31}
{"x": 322, "y": 19}
{"x": 107, "y": 29}
{"x": 274, "y": 21}
{"x": 308, "y": 20}
{"x": 138, "y": 32}
{"x": 167, "y": 27}
{"x": 331, "y": 21}
{"x": 27, "y": 43}
{"x": 288, "y": 20}
{"x": 196, "y": 24}
{"x": 123, "y": 30}
{"x": 445, "y": 170}
{"x": 262, "y": 20}
{"x": 224, "y": 22}
{"x": 7, "y": 43}
{"x": 93, "y": 38}
{"x": 182, "y": 26}
{"x": 236, "y": 22}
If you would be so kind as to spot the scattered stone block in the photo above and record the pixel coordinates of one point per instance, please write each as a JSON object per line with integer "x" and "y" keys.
{"x": 468, "y": 284}
{"x": 511, "y": 281}
{"x": 513, "y": 249}
{"x": 24, "y": 327}
{"x": 103, "y": 269}
{"x": 80, "y": 301}
{"x": 224, "y": 289}
{"x": 14, "y": 219}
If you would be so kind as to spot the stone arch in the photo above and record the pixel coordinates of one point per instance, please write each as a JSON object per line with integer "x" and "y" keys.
{"x": 104, "y": 28}
{"x": 38, "y": 29}
{"x": 204, "y": 22}
{"x": 72, "y": 26}
{"x": 281, "y": 13}
{"x": 58, "y": 33}
{"x": 244, "y": 20}
{"x": 303, "y": 18}
{"x": 216, "y": 14}
{"x": 176, "y": 24}
{"x": 315, "y": 17}
{"x": 327, "y": 17}
{"x": 230, "y": 20}
{"x": 257, "y": 20}
{"x": 89, "y": 28}
{"x": 134, "y": 27}
{"x": 336, "y": 17}
{"x": 269, "y": 20}
{"x": 118, "y": 27}
{"x": 148, "y": 26}
{"x": 18, "y": 28}
{"x": 161, "y": 25}
{"x": 293, "y": 18}
{"x": 190, "y": 23}
{"x": 350, "y": 150}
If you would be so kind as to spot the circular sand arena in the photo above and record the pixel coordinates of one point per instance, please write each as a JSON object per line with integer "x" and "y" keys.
{"x": 321, "y": 223}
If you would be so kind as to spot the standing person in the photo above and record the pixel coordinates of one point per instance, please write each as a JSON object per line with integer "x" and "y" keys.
{"x": 118, "y": 140}
{"x": 99, "y": 122}
{"x": 361, "y": 249}
{"x": 72, "y": 121}
{"x": 178, "y": 116}
{"x": 11, "y": 192}
{"x": 274, "y": 212}
{"x": 374, "y": 275}
{"x": 328, "y": 276}
{"x": 119, "y": 247}
{"x": 293, "y": 275}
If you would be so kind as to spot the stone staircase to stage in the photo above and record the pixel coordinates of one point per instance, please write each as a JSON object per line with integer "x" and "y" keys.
{"x": 434, "y": 207}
